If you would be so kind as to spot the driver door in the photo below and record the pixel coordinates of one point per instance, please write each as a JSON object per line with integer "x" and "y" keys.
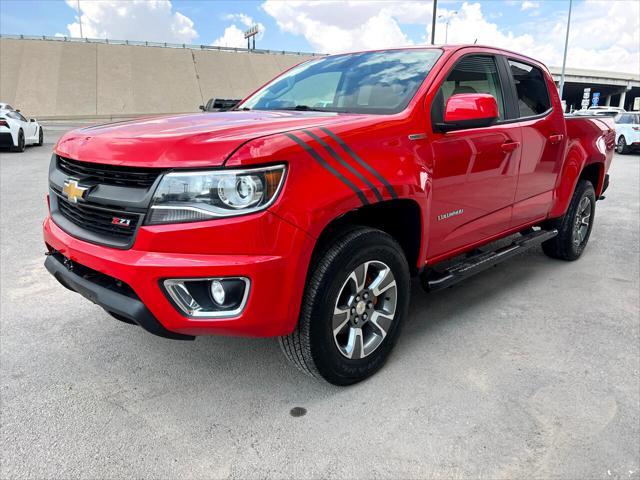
{"x": 474, "y": 170}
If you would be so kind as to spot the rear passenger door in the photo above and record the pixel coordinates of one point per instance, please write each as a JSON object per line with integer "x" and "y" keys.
{"x": 474, "y": 170}
{"x": 543, "y": 141}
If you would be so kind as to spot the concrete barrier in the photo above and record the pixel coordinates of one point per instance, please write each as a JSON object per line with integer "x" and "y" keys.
{"x": 73, "y": 80}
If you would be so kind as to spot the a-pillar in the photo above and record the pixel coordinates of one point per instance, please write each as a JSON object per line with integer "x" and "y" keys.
{"x": 607, "y": 102}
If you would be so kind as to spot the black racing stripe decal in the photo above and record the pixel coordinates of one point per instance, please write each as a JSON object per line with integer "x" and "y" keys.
{"x": 362, "y": 163}
{"x": 332, "y": 170}
{"x": 337, "y": 157}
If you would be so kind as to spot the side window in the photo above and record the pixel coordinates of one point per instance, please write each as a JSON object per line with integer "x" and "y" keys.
{"x": 531, "y": 88}
{"x": 472, "y": 74}
{"x": 16, "y": 115}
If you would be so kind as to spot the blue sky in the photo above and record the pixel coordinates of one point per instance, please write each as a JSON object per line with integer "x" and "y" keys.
{"x": 533, "y": 27}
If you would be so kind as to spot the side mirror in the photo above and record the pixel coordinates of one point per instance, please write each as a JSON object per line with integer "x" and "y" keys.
{"x": 469, "y": 110}
{"x": 32, "y": 120}
{"x": 201, "y": 107}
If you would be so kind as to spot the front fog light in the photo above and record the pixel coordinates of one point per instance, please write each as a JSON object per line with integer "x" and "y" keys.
{"x": 209, "y": 297}
{"x": 217, "y": 292}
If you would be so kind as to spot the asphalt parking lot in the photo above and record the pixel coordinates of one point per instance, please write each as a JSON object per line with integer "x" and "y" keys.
{"x": 528, "y": 370}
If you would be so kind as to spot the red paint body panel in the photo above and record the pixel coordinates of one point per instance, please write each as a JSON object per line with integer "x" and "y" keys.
{"x": 500, "y": 178}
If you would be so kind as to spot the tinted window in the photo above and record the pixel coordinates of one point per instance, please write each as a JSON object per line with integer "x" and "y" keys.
{"x": 16, "y": 115}
{"x": 472, "y": 74}
{"x": 370, "y": 82}
{"x": 533, "y": 96}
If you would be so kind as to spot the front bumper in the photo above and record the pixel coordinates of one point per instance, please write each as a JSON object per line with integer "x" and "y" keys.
{"x": 272, "y": 253}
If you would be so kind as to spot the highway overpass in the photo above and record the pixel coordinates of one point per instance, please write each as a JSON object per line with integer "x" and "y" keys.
{"x": 616, "y": 89}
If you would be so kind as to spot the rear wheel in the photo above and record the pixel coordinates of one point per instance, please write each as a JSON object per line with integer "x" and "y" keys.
{"x": 21, "y": 143}
{"x": 574, "y": 229}
{"x": 622, "y": 147}
{"x": 355, "y": 301}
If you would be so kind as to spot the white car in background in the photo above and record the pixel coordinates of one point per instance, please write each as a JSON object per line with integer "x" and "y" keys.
{"x": 627, "y": 132}
{"x": 16, "y": 132}
{"x": 6, "y": 106}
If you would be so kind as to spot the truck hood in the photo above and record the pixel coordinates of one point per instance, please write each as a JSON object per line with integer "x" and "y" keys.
{"x": 191, "y": 140}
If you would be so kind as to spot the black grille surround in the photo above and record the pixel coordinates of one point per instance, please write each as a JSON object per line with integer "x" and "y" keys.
{"x": 113, "y": 206}
{"x": 99, "y": 220}
{"x": 109, "y": 174}
{"x": 94, "y": 223}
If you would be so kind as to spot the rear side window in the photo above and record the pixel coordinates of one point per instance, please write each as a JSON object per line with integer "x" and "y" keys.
{"x": 16, "y": 116}
{"x": 472, "y": 74}
{"x": 531, "y": 88}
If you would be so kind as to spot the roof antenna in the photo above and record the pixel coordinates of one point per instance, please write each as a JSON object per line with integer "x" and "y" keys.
{"x": 475, "y": 41}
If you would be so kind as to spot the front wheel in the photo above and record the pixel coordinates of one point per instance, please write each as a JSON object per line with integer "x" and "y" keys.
{"x": 355, "y": 301}
{"x": 574, "y": 229}
{"x": 40, "y": 137}
{"x": 622, "y": 147}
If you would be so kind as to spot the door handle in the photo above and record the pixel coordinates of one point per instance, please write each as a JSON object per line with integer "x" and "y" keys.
{"x": 509, "y": 146}
{"x": 553, "y": 139}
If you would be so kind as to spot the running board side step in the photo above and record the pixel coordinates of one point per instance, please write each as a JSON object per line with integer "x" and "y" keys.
{"x": 433, "y": 280}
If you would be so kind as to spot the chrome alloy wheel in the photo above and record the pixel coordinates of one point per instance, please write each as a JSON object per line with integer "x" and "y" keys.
{"x": 582, "y": 221}
{"x": 364, "y": 310}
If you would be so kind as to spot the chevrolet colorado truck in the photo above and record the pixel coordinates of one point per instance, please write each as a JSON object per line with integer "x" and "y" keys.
{"x": 304, "y": 212}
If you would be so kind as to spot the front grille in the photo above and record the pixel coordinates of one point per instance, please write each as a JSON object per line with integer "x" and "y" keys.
{"x": 110, "y": 174}
{"x": 98, "y": 220}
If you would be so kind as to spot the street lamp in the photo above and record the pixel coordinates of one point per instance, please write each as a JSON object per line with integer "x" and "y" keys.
{"x": 566, "y": 47}
{"x": 447, "y": 17}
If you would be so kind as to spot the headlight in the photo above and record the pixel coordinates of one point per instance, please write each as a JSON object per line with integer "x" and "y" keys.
{"x": 195, "y": 196}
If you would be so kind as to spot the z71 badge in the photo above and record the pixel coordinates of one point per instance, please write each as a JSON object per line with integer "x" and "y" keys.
{"x": 121, "y": 222}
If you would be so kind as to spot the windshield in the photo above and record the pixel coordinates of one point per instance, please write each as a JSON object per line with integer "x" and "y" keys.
{"x": 371, "y": 82}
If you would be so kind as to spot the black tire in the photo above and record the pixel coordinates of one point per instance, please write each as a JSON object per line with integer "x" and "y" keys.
{"x": 21, "y": 143}
{"x": 40, "y": 137}
{"x": 622, "y": 147}
{"x": 312, "y": 347}
{"x": 570, "y": 243}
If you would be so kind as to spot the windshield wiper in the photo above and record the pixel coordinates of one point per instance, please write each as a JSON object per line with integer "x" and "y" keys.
{"x": 302, "y": 108}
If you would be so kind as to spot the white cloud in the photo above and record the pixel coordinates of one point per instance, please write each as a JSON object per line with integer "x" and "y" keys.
{"x": 604, "y": 34}
{"x": 592, "y": 41}
{"x": 233, "y": 36}
{"x": 246, "y": 20}
{"x": 151, "y": 20}
{"x": 333, "y": 26}
{"x": 528, "y": 5}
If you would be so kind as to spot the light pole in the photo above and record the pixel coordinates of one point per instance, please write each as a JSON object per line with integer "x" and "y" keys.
{"x": 433, "y": 21}
{"x": 446, "y": 28}
{"x": 80, "y": 19}
{"x": 566, "y": 46}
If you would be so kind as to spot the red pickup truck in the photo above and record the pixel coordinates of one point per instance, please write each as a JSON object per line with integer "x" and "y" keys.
{"x": 304, "y": 212}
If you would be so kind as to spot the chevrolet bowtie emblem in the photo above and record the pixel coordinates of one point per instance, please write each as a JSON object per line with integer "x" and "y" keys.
{"x": 73, "y": 191}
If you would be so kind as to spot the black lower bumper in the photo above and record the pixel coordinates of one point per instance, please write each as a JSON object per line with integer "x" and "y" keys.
{"x": 127, "y": 306}
{"x": 6, "y": 140}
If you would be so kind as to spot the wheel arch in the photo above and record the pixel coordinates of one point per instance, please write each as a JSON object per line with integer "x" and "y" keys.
{"x": 400, "y": 218}
{"x": 594, "y": 173}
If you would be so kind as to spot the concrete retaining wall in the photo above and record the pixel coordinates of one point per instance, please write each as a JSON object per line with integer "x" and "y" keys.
{"x": 50, "y": 79}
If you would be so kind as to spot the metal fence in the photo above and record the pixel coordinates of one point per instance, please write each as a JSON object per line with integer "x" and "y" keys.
{"x": 153, "y": 44}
